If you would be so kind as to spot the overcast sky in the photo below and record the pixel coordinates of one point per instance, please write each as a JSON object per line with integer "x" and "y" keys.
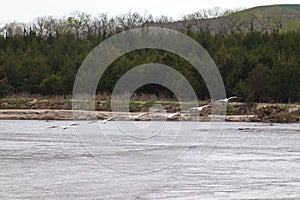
{"x": 26, "y": 11}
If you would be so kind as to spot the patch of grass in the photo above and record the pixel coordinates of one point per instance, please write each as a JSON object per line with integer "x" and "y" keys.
{"x": 15, "y": 103}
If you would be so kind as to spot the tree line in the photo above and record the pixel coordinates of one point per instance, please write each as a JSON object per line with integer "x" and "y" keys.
{"x": 43, "y": 57}
{"x": 215, "y": 21}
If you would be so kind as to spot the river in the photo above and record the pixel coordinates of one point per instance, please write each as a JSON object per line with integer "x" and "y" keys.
{"x": 249, "y": 161}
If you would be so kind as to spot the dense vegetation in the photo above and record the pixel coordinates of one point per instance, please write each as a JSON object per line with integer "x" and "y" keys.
{"x": 44, "y": 57}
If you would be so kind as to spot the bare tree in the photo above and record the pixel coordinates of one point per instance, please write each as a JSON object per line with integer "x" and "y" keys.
{"x": 187, "y": 23}
{"x": 252, "y": 20}
{"x": 112, "y": 26}
{"x": 100, "y": 24}
{"x": 201, "y": 20}
{"x": 264, "y": 22}
{"x": 163, "y": 20}
{"x": 86, "y": 24}
{"x": 129, "y": 21}
{"x": 234, "y": 22}
{"x": 74, "y": 24}
{"x": 277, "y": 21}
{"x": 14, "y": 28}
{"x": 50, "y": 24}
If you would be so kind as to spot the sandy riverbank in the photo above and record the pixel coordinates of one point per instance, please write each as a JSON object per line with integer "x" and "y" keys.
{"x": 47, "y": 114}
{"x": 61, "y": 109}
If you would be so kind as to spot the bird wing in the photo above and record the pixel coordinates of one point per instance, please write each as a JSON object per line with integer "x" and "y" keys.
{"x": 110, "y": 118}
{"x": 194, "y": 108}
{"x": 106, "y": 120}
{"x": 139, "y": 115}
{"x": 102, "y": 121}
{"x": 234, "y": 97}
{"x": 221, "y": 100}
{"x": 177, "y": 113}
{"x": 54, "y": 126}
{"x": 205, "y": 106}
{"x": 144, "y": 114}
{"x": 73, "y": 124}
{"x": 174, "y": 114}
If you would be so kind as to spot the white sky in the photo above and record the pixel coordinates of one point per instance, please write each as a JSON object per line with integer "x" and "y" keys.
{"x": 26, "y": 11}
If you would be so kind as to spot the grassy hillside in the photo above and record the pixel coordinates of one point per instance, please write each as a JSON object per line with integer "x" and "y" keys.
{"x": 286, "y": 14}
{"x": 282, "y": 18}
{"x": 280, "y": 9}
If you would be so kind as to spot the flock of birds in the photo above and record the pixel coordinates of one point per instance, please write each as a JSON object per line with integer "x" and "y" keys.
{"x": 137, "y": 116}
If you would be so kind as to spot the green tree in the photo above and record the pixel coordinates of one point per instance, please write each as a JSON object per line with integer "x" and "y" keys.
{"x": 51, "y": 85}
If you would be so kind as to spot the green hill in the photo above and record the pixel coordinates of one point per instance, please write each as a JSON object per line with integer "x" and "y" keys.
{"x": 285, "y": 15}
{"x": 282, "y": 18}
{"x": 280, "y": 9}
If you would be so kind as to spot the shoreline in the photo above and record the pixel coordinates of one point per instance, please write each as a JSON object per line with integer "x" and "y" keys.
{"x": 57, "y": 108}
{"x": 51, "y": 114}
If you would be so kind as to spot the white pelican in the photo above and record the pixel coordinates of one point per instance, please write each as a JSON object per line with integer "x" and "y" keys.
{"x": 63, "y": 127}
{"x": 170, "y": 115}
{"x": 227, "y": 99}
{"x": 199, "y": 108}
{"x": 135, "y": 117}
{"x": 104, "y": 121}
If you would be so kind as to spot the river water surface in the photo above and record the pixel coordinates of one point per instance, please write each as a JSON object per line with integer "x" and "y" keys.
{"x": 249, "y": 161}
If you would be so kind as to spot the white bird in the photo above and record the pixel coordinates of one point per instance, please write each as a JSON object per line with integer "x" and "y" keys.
{"x": 63, "y": 126}
{"x": 104, "y": 121}
{"x": 200, "y": 107}
{"x": 170, "y": 115}
{"x": 135, "y": 117}
{"x": 227, "y": 99}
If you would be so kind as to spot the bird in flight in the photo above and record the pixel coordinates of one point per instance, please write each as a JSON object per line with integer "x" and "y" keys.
{"x": 136, "y": 117}
{"x": 63, "y": 126}
{"x": 104, "y": 121}
{"x": 170, "y": 115}
{"x": 199, "y": 108}
{"x": 227, "y": 99}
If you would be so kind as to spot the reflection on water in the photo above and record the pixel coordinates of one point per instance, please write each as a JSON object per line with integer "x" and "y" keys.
{"x": 250, "y": 160}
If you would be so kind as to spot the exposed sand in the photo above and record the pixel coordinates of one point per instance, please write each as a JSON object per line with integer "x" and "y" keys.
{"x": 45, "y": 114}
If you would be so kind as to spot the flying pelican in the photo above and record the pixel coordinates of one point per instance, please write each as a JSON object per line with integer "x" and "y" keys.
{"x": 104, "y": 121}
{"x": 227, "y": 99}
{"x": 170, "y": 115}
{"x": 136, "y": 117}
{"x": 63, "y": 127}
{"x": 199, "y": 108}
